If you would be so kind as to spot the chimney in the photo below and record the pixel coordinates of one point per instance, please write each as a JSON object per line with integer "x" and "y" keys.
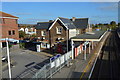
{"x": 50, "y": 20}
{"x": 73, "y": 19}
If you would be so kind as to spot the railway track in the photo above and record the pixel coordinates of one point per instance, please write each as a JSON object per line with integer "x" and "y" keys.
{"x": 107, "y": 66}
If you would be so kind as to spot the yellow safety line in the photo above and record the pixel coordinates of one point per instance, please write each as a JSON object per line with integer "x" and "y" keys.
{"x": 86, "y": 68}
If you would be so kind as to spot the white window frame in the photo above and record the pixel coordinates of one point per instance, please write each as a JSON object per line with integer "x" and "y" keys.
{"x": 59, "y": 30}
{"x": 77, "y": 31}
{"x": 43, "y": 33}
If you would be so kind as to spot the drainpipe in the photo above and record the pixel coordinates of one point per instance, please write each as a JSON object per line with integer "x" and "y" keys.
{"x": 67, "y": 40}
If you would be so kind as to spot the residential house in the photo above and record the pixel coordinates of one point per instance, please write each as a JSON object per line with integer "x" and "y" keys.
{"x": 82, "y": 25}
{"x": 27, "y": 28}
{"x": 59, "y": 31}
{"x": 8, "y": 26}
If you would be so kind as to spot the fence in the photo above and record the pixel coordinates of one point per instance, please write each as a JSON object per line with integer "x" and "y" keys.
{"x": 54, "y": 66}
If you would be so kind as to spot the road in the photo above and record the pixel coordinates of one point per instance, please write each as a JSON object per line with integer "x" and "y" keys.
{"x": 108, "y": 62}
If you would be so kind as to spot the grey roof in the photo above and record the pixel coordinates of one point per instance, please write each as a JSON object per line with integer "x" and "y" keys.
{"x": 43, "y": 25}
{"x": 68, "y": 23}
{"x": 81, "y": 23}
{"x": 97, "y": 35}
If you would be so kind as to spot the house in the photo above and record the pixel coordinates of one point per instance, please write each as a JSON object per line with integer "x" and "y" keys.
{"x": 82, "y": 25}
{"x": 52, "y": 33}
{"x": 8, "y": 27}
{"x": 27, "y": 28}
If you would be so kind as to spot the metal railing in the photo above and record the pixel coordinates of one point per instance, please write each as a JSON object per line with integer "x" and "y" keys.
{"x": 48, "y": 70}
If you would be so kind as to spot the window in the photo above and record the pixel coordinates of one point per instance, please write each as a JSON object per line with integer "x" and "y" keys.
{"x": 43, "y": 33}
{"x": 77, "y": 31}
{"x": 16, "y": 21}
{"x": 9, "y": 32}
{"x": 13, "y": 32}
{"x": 59, "y": 30}
{"x": 0, "y": 21}
{"x": 3, "y": 21}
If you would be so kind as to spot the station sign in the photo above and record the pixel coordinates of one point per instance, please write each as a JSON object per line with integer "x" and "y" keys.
{"x": 55, "y": 57}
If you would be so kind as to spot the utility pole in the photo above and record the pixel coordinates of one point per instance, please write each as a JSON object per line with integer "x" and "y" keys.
{"x": 8, "y": 55}
{"x": 0, "y": 61}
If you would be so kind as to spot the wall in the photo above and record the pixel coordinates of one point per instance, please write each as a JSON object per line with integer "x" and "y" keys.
{"x": 72, "y": 33}
{"x": 54, "y": 35}
{"x": 9, "y": 25}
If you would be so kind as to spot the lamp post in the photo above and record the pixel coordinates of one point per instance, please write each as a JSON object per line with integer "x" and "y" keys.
{"x": 1, "y": 62}
{"x": 8, "y": 55}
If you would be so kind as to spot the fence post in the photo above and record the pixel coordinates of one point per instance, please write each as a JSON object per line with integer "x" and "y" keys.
{"x": 45, "y": 71}
{"x": 60, "y": 62}
{"x": 50, "y": 69}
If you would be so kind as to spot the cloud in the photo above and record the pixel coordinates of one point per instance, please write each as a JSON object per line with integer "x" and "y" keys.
{"x": 35, "y": 19}
{"x": 22, "y": 13}
{"x": 102, "y": 16}
{"x": 60, "y": 0}
{"x": 112, "y": 7}
{"x": 32, "y": 21}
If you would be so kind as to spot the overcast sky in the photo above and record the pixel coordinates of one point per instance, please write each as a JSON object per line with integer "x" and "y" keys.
{"x": 33, "y": 12}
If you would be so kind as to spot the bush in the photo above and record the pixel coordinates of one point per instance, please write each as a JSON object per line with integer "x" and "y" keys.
{"x": 22, "y": 45}
{"x": 10, "y": 45}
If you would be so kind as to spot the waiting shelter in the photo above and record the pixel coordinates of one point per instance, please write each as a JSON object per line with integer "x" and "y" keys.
{"x": 81, "y": 42}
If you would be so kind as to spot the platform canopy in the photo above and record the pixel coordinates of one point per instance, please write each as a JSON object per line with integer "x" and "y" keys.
{"x": 89, "y": 36}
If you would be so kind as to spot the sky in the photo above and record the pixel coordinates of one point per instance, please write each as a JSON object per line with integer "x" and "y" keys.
{"x": 33, "y": 12}
{"x": 60, "y": 0}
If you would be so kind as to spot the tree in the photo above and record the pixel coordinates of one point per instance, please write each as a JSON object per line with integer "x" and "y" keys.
{"x": 119, "y": 24}
{"x": 113, "y": 24}
{"x": 21, "y": 34}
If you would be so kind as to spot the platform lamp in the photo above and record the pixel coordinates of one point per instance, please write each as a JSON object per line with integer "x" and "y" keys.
{"x": 8, "y": 55}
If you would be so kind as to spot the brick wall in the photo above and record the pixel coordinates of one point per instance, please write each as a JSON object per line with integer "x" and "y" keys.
{"x": 9, "y": 25}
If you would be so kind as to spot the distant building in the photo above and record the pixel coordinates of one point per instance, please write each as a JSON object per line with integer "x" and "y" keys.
{"x": 8, "y": 26}
{"x": 27, "y": 28}
{"x": 56, "y": 32}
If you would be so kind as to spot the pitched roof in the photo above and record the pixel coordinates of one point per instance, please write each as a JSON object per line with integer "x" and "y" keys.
{"x": 81, "y": 23}
{"x": 67, "y": 22}
{"x": 43, "y": 25}
{"x": 3, "y": 14}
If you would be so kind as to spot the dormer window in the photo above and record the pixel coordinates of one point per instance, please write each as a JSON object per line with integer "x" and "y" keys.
{"x": 43, "y": 33}
{"x": 59, "y": 30}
